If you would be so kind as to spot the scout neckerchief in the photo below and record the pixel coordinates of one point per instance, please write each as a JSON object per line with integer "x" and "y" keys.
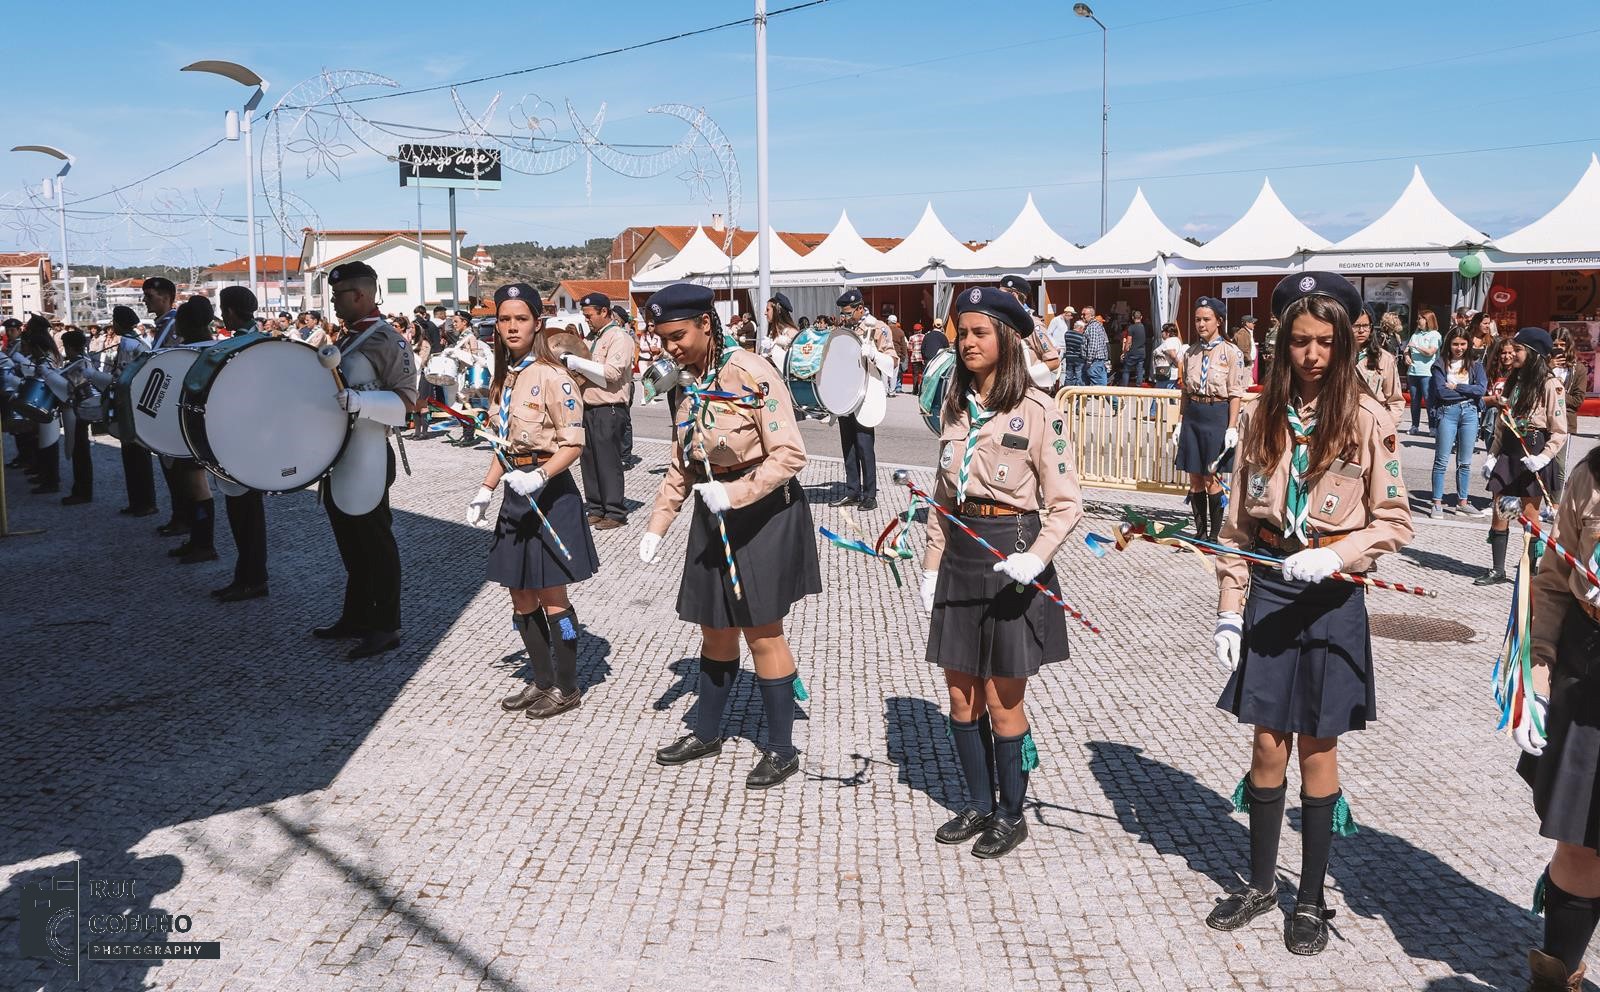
{"x": 359, "y": 332}
{"x": 1297, "y": 514}
{"x": 505, "y": 395}
{"x": 1205, "y": 360}
{"x": 977, "y": 416}
{"x": 703, "y": 396}
{"x": 164, "y": 327}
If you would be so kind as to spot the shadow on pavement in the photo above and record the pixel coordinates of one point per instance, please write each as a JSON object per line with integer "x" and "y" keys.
{"x": 919, "y": 745}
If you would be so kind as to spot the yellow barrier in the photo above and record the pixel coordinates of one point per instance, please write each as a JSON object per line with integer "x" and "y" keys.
{"x": 1122, "y": 437}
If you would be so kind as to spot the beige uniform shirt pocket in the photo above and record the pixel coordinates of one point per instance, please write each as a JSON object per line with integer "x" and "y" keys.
{"x": 1336, "y": 499}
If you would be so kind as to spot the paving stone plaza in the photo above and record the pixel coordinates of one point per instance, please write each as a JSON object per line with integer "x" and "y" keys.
{"x": 384, "y": 825}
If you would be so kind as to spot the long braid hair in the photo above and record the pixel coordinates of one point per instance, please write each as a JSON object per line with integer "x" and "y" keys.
{"x": 1337, "y": 403}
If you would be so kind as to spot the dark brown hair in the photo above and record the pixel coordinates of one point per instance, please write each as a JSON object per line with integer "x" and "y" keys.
{"x": 1527, "y": 386}
{"x": 1337, "y": 402}
{"x": 1010, "y": 375}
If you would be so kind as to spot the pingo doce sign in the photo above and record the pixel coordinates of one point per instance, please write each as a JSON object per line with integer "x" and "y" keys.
{"x": 441, "y": 166}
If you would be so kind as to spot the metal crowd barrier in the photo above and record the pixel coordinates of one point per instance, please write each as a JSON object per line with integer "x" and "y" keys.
{"x": 1123, "y": 437}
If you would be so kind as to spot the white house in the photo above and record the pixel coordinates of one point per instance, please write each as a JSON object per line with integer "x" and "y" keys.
{"x": 278, "y": 284}
{"x": 24, "y": 282}
{"x": 393, "y": 255}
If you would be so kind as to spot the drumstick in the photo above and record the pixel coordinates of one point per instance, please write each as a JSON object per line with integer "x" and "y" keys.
{"x": 1505, "y": 416}
{"x": 1587, "y": 571}
{"x": 904, "y": 478}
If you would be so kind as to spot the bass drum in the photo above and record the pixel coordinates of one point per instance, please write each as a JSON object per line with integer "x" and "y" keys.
{"x": 800, "y": 368}
{"x": 841, "y": 376}
{"x": 263, "y": 413}
{"x": 148, "y": 392}
{"x": 935, "y": 383}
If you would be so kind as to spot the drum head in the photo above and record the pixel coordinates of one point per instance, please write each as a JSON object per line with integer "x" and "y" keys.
{"x": 440, "y": 370}
{"x": 935, "y": 380}
{"x": 272, "y": 417}
{"x": 841, "y": 379}
{"x": 153, "y": 396}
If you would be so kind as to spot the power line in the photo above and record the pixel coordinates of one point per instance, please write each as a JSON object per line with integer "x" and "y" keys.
{"x": 153, "y": 175}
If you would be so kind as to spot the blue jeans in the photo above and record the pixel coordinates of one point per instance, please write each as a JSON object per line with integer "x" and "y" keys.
{"x": 1071, "y": 373}
{"x": 1418, "y": 385}
{"x": 1097, "y": 373}
{"x": 1455, "y": 431}
{"x": 1132, "y": 372}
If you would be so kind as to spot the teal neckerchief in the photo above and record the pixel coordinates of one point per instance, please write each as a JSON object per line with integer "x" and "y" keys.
{"x": 977, "y": 416}
{"x": 505, "y": 396}
{"x": 1297, "y": 514}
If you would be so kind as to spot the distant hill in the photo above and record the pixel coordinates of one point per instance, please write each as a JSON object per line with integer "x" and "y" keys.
{"x": 544, "y": 266}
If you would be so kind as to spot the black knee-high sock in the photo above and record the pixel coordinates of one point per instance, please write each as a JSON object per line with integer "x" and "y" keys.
{"x": 974, "y": 758}
{"x": 1266, "y": 827}
{"x": 535, "y": 630}
{"x": 1214, "y": 509}
{"x": 716, "y": 684}
{"x": 1200, "y": 505}
{"x": 1316, "y": 843}
{"x": 1569, "y": 923}
{"x": 986, "y": 734}
{"x": 564, "y": 648}
{"x": 777, "y": 698}
{"x": 202, "y": 524}
{"x": 1498, "y": 539}
{"x": 1013, "y": 780}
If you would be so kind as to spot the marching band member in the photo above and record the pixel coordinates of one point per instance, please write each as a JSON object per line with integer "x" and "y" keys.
{"x": 27, "y": 441}
{"x": 1376, "y": 366}
{"x": 192, "y": 325}
{"x": 1318, "y": 484}
{"x": 741, "y": 457}
{"x": 470, "y": 354}
{"x": 1215, "y": 379}
{"x": 76, "y": 429}
{"x": 860, "y": 443}
{"x": 40, "y": 350}
{"x": 536, "y": 554}
{"x": 1043, "y": 359}
{"x": 1560, "y": 762}
{"x": 138, "y": 470}
{"x": 1006, "y": 469}
{"x": 781, "y": 330}
{"x": 1520, "y": 465}
{"x": 377, "y": 363}
{"x": 160, "y": 298}
{"x": 607, "y": 380}
{"x": 247, "y": 515}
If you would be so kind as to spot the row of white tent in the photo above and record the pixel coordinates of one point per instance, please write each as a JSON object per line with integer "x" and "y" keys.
{"x": 1416, "y": 234}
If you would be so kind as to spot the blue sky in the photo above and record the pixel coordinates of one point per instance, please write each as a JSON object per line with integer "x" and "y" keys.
{"x": 876, "y": 106}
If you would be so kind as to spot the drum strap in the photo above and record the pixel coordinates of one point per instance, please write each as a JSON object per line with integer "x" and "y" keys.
{"x": 164, "y": 327}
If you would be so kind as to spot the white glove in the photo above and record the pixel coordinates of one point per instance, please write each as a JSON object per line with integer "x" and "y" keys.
{"x": 1534, "y": 463}
{"x": 1177, "y": 430}
{"x": 526, "y": 482}
{"x": 1229, "y": 632}
{"x": 1592, "y": 594}
{"x": 1041, "y": 375}
{"x": 715, "y": 496}
{"x": 478, "y": 509}
{"x": 1022, "y": 567}
{"x": 593, "y": 371}
{"x": 929, "y": 580}
{"x": 884, "y": 363}
{"x": 378, "y": 405}
{"x": 1488, "y": 468}
{"x": 350, "y": 401}
{"x": 1311, "y": 565}
{"x": 649, "y": 544}
{"x": 1525, "y": 733}
{"x": 778, "y": 356}
{"x": 1230, "y": 439}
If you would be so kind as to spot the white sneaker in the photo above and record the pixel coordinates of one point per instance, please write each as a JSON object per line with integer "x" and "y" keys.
{"x": 1436, "y": 512}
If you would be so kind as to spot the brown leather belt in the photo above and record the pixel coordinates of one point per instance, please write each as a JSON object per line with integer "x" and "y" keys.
{"x": 988, "y": 508}
{"x": 529, "y": 460}
{"x": 724, "y": 471}
{"x": 1272, "y": 537}
{"x": 1207, "y": 400}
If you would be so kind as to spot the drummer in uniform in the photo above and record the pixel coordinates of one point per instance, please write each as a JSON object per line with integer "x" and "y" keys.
{"x": 192, "y": 326}
{"x": 138, "y": 471}
{"x": 859, "y": 443}
{"x": 607, "y": 381}
{"x": 160, "y": 298}
{"x": 247, "y": 515}
{"x": 1215, "y": 378}
{"x": 371, "y": 610}
{"x": 1043, "y": 359}
{"x": 781, "y": 330}
{"x": 752, "y": 549}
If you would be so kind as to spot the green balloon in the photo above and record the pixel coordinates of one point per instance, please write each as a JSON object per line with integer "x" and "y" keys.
{"x": 1471, "y": 266}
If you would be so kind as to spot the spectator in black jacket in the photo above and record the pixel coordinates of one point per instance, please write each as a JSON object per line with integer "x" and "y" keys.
{"x": 934, "y": 341}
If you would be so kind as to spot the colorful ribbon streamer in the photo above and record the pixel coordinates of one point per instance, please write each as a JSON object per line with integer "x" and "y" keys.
{"x": 1513, "y": 665}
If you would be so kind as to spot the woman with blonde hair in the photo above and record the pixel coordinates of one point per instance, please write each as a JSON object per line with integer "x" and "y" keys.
{"x": 1421, "y": 351}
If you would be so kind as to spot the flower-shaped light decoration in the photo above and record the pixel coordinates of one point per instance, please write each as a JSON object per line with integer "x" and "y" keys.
{"x": 322, "y": 152}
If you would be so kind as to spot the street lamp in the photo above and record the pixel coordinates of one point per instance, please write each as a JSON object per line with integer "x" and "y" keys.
{"x": 61, "y": 212}
{"x": 238, "y": 124}
{"x": 1083, "y": 10}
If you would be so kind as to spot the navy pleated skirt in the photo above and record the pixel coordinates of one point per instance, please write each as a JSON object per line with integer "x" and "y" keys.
{"x": 1511, "y": 478}
{"x": 1566, "y": 778}
{"x": 1202, "y": 437}
{"x": 525, "y": 555}
{"x": 775, "y": 549}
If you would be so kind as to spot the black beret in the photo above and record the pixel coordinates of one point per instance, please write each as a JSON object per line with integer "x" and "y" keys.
{"x": 196, "y": 310}
{"x": 1018, "y": 284}
{"x": 124, "y": 317}
{"x": 1536, "y": 338}
{"x": 1330, "y": 284}
{"x": 998, "y": 304}
{"x": 783, "y": 301}
{"x": 520, "y": 291}
{"x": 239, "y": 299}
{"x": 160, "y": 284}
{"x": 848, "y": 298}
{"x": 14, "y": 322}
{"x": 38, "y": 324}
{"x": 1213, "y": 304}
{"x": 351, "y": 270}
{"x": 680, "y": 301}
{"x": 599, "y": 301}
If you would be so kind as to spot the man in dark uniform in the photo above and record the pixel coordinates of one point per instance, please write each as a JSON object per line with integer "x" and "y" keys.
{"x": 247, "y": 517}
{"x": 427, "y": 328}
{"x": 607, "y": 381}
{"x": 138, "y": 470}
{"x": 160, "y": 298}
{"x": 859, "y": 443}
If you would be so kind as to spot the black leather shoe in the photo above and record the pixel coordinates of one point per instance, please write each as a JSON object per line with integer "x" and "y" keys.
{"x": 999, "y": 837}
{"x": 172, "y": 528}
{"x": 238, "y": 594}
{"x": 868, "y": 503}
{"x": 73, "y": 499}
{"x": 846, "y": 500}
{"x": 551, "y": 703}
{"x": 195, "y": 556}
{"x": 964, "y": 826}
{"x": 375, "y": 643}
{"x": 338, "y": 631}
{"x": 686, "y": 749}
{"x": 142, "y": 511}
{"x": 1238, "y": 908}
{"x": 1307, "y": 930}
{"x": 1493, "y": 577}
{"x": 42, "y": 490}
{"x": 771, "y": 770}
{"x": 179, "y": 551}
{"x": 522, "y": 698}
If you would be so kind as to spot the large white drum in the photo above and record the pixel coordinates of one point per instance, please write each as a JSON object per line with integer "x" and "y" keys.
{"x": 263, "y": 412}
{"x": 148, "y": 392}
{"x": 441, "y": 370}
{"x": 841, "y": 381}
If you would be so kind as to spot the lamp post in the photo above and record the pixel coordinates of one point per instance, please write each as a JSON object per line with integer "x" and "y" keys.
{"x": 763, "y": 242}
{"x": 1083, "y": 10}
{"x": 61, "y": 212}
{"x": 238, "y": 125}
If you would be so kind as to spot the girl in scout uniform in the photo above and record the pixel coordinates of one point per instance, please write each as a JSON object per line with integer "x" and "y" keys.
{"x": 1520, "y": 467}
{"x": 1376, "y": 367}
{"x": 1215, "y": 378}
{"x": 752, "y": 550}
{"x": 1006, "y": 470}
{"x": 1560, "y": 763}
{"x": 1318, "y": 484}
{"x": 538, "y": 417}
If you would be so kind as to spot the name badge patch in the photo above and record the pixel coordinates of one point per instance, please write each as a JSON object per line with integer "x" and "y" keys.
{"x": 1016, "y": 441}
{"x": 1329, "y": 504}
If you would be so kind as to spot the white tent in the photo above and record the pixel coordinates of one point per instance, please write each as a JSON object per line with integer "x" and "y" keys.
{"x": 784, "y": 258}
{"x": 1027, "y": 242}
{"x": 843, "y": 249}
{"x": 1267, "y": 232}
{"x": 928, "y": 245}
{"x": 1416, "y": 220}
{"x": 1130, "y": 247}
{"x": 700, "y": 257}
{"x": 1573, "y": 226}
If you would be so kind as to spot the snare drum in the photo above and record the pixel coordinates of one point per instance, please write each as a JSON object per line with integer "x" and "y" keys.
{"x": 661, "y": 375}
{"x": 936, "y": 381}
{"x": 263, "y": 412}
{"x": 800, "y": 370}
{"x": 36, "y": 401}
{"x": 842, "y": 378}
{"x": 147, "y": 395}
{"x": 478, "y": 377}
{"x": 440, "y": 370}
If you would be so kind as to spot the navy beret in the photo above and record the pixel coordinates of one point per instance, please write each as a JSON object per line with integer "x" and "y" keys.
{"x": 121, "y": 316}
{"x": 14, "y": 322}
{"x": 680, "y": 301}
{"x": 351, "y": 270}
{"x": 519, "y": 291}
{"x": 998, "y": 304}
{"x": 598, "y": 300}
{"x": 783, "y": 301}
{"x": 1213, "y": 304}
{"x": 1536, "y": 338}
{"x": 1017, "y": 284}
{"x": 848, "y": 298}
{"x": 1330, "y": 284}
{"x": 239, "y": 299}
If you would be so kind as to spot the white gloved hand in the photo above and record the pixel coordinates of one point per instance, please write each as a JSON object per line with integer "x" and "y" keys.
{"x": 526, "y": 482}
{"x": 1527, "y": 736}
{"x": 593, "y": 371}
{"x": 1022, "y": 567}
{"x": 929, "y": 581}
{"x": 884, "y": 363}
{"x": 715, "y": 496}
{"x": 1177, "y": 431}
{"x": 1229, "y": 632}
{"x": 778, "y": 356}
{"x": 1311, "y": 565}
{"x": 1488, "y": 468}
{"x": 1041, "y": 375}
{"x": 649, "y": 544}
{"x": 478, "y": 508}
{"x": 1534, "y": 463}
{"x": 1592, "y": 595}
{"x": 350, "y": 401}
{"x": 1230, "y": 439}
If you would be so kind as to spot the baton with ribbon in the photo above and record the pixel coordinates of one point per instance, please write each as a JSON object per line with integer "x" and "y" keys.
{"x": 533, "y": 501}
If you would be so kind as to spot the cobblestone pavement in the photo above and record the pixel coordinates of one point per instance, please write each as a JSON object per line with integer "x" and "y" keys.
{"x": 383, "y": 825}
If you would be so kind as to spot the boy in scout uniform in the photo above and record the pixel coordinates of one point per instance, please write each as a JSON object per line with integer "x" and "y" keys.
{"x": 607, "y": 381}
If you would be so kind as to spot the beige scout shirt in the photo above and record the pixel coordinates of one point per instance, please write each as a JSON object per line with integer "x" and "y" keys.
{"x": 737, "y": 435}
{"x": 1549, "y": 413}
{"x": 1362, "y": 503}
{"x": 1039, "y": 344}
{"x": 1227, "y": 375}
{"x": 1558, "y": 586}
{"x": 546, "y": 411}
{"x": 878, "y": 332}
{"x": 1383, "y": 382}
{"x": 391, "y": 358}
{"x": 1022, "y": 459}
{"x": 612, "y": 348}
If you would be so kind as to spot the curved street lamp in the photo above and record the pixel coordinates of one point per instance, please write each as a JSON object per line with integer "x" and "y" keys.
{"x": 61, "y": 213}
{"x": 1083, "y": 10}
{"x": 239, "y": 126}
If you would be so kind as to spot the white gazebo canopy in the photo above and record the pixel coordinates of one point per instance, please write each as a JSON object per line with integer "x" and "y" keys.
{"x": 1266, "y": 232}
{"x": 699, "y": 257}
{"x": 1416, "y": 220}
{"x": 784, "y": 258}
{"x": 928, "y": 245}
{"x": 1134, "y": 241}
{"x": 1025, "y": 243}
{"x": 1572, "y": 227}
